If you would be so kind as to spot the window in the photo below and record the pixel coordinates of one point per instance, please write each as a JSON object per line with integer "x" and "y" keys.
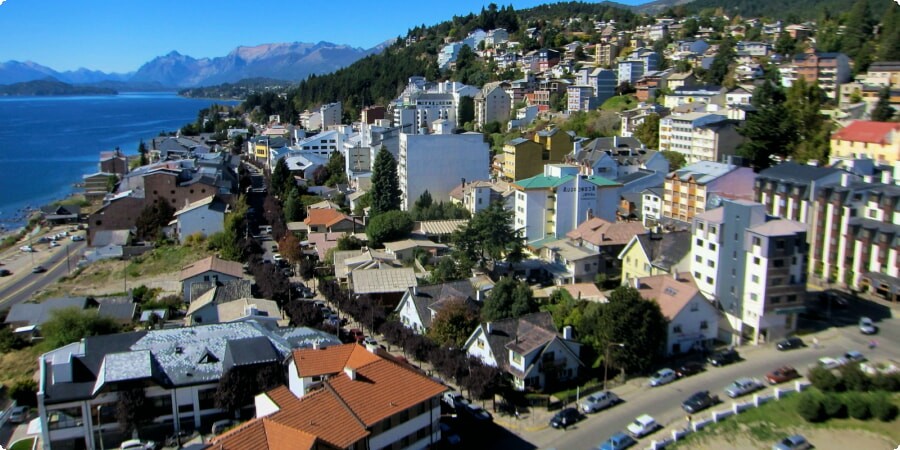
{"x": 712, "y": 246}
{"x": 779, "y": 244}
{"x": 698, "y": 258}
{"x": 754, "y": 279}
{"x": 778, "y": 263}
{"x": 699, "y": 242}
{"x": 695, "y": 306}
{"x": 676, "y": 329}
{"x": 697, "y": 275}
{"x": 710, "y": 280}
{"x": 700, "y": 226}
{"x": 712, "y": 230}
{"x": 756, "y": 260}
{"x": 775, "y": 300}
{"x": 754, "y": 297}
{"x": 517, "y": 358}
{"x": 711, "y": 263}
{"x": 756, "y": 241}
{"x": 704, "y": 325}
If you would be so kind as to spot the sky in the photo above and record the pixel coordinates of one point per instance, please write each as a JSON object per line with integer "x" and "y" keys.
{"x": 120, "y": 35}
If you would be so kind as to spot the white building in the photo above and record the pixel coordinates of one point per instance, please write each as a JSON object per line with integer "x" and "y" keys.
{"x": 581, "y": 98}
{"x": 204, "y": 217}
{"x": 437, "y": 162}
{"x": 651, "y": 206}
{"x": 331, "y": 114}
{"x": 699, "y": 136}
{"x": 693, "y": 320}
{"x": 555, "y": 202}
{"x": 492, "y": 104}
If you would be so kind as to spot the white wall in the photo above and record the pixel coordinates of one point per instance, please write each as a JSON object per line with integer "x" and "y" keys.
{"x": 481, "y": 349}
{"x": 438, "y": 163}
{"x": 200, "y": 220}
{"x": 399, "y": 432}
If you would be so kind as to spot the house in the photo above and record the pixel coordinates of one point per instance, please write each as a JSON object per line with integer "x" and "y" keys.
{"x": 203, "y": 217}
{"x": 122, "y": 309}
{"x": 478, "y": 195}
{"x": 607, "y": 238}
{"x": 205, "y": 310}
{"x": 653, "y": 253}
{"x": 177, "y": 370}
{"x": 829, "y": 70}
{"x": 421, "y": 304}
{"x": 408, "y": 249}
{"x": 108, "y": 244}
{"x": 585, "y": 291}
{"x": 96, "y": 185}
{"x": 789, "y": 189}
{"x": 388, "y": 285}
{"x": 359, "y": 400}
{"x": 693, "y": 322}
{"x": 437, "y": 230}
{"x": 24, "y": 314}
{"x": 209, "y": 269}
{"x": 700, "y": 186}
{"x": 525, "y": 158}
{"x": 327, "y": 220}
{"x": 865, "y": 139}
{"x": 694, "y": 94}
{"x": 651, "y": 206}
{"x": 529, "y": 348}
{"x": 113, "y": 162}
{"x": 61, "y": 214}
{"x": 346, "y": 261}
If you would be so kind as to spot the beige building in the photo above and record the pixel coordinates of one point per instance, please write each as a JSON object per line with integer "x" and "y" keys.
{"x": 864, "y": 139}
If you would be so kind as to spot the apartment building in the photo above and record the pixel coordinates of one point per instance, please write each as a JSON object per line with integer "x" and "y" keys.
{"x": 492, "y": 104}
{"x": 865, "y": 139}
{"x": 437, "y": 162}
{"x": 606, "y": 53}
{"x": 700, "y": 186}
{"x": 829, "y": 70}
{"x": 684, "y": 95}
{"x": 789, "y": 189}
{"x": 581, "y": 98}
{"x": 699, "y": 136}
{"x": 332, "y": 114}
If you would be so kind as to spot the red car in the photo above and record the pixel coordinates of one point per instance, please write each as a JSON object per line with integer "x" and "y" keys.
{"x": 782, "y": 374}
{"x": 357, "y": 335}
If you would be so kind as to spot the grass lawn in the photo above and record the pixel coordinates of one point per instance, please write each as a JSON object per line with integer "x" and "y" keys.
{"x": 776, "y": 419}
{"x": 619, "y": 103}
{"x": 24, "y": 444}
{"x": 19, "y": 365}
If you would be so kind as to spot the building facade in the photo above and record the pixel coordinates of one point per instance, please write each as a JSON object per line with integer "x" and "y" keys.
{"x": 437, "y": 162}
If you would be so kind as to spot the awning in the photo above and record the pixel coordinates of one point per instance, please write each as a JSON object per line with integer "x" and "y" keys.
{"x": 793, "y": 310}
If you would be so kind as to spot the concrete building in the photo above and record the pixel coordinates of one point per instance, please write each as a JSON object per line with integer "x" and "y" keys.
{"x": 523, "y": 158}
{"x": 653, "y": 253}
{"x": 437, "y": 163}
{"x": 606, "y": 53}
{"x": 203, "y": 217}
{"x": 829, "y": 70}
{"x": 789, "y": 189}
{"x": 864, "y": 139}
{"x": 492, "y": 104}
{"x": 581, "y": 98}
{"x": 602, "y": 80}
{"x": 332, "y": 115}
{"x": 710, "y": 95}
{"x": 701, "y": 186}
{"x": 208, "y": 270}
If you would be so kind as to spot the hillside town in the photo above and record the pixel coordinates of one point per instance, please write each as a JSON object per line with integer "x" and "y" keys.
{"x": 555, "y": 217}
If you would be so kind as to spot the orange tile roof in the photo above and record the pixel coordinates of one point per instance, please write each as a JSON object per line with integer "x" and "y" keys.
{"x": 331, "y": 360}
{"x": 325, "y": 216}
{"x": 212, "y": 263}
{"x": 323, "y": 414}
{"x": 282, "y": 396}
{"x": 264, "y": 434}
{"x": 867, "y": 131}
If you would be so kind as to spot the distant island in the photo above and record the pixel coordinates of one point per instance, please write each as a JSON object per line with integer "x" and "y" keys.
{"x": 51, "y": 87}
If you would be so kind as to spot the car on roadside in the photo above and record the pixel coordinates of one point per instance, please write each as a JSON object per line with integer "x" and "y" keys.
{"x": 38, "y": 269}
{"x": 27, "y": 249}
{"x": 642, "y": 426}
{"x": 690, "y": 368}
{"x": 77, "y": 238}
{"x": 599, "y": 400}
{"x": 854, "y": 356}
{"x": 831, "y": 363}
{"x": 454, "y": 399}
{"x": 19, "y": 414}
{"x": 357, "y": 335}
{"x": 617, "y": 441}
{"x": 866, "y": 326}
{"x": 782, "y": 374}
{"x": 5, "y": 273}
{"x": 478, "y": 413}
{"x": 277, "y": 257}
{"x": 724, "y": 358}
{"x": 565, "y": 417}
{"x": 662, "y": 376}
{"x": 54, "y": 244}
{"x": 795, "y": 442}
{"x": 699, "y": 401}
{"x": 743, "y": 386}
{"x": 137, "y": 444}
{"x": 789, "y": 344}
{"x": 370, "y": 341}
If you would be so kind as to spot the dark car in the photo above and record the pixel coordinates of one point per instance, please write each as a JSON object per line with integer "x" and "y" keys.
{"x": 789, "y": 344}
{"x": 689, "y": 368}
{"x": 724, "y": 358}
{"x": 699, "y": 401}
{"x": 5, "y": 273}
{"x": 564, "y": 418}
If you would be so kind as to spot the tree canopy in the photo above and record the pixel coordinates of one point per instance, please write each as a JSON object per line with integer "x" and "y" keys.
{"x": 489, "y": 235}
{"x": 453, "y": 324}
{"x": 69, "y": 325}
{"x": 389, "y": 226}
{"x": 508, "y": 299}
{"x": 385, "y": 183}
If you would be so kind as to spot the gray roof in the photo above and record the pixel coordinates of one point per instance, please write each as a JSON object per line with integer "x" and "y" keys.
{"x": 666, "y": 250}
{"x": 38, "y": 313}
{"x": 381, "y": 281}
{"x": 506, "y": 331}
{"x": 432, "y": 297}
{"x": 121, "y": 309}
{"x": 796, "y": 173}
{"x": 249, "y": 351}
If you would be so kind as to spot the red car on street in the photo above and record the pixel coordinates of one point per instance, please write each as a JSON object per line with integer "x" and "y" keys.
{"x": 782, "y": 374}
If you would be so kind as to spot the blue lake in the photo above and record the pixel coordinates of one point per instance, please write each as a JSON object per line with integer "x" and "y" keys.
{"x": 48, "y": 143}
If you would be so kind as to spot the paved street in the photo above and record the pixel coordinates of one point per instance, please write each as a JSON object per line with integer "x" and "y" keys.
{"x": 23, "y": 284}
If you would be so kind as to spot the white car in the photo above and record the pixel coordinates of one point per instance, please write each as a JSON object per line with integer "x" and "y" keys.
{"x": 866, "y": 326}
{"x": 642, "y": 426}
{"x": 77, "y": 238}
{"x": 277, "y": 257}
{"x": 54, "y": 244}
{"x": 600, "y": 400}
{"x": 137, "y": 444}
{"x": 742, "y": 386}
{"x": 854, "y": 356}
{"x": 26, "y": 248}
{"x": 663, "y": 376}
{"x": 831, "y": 363}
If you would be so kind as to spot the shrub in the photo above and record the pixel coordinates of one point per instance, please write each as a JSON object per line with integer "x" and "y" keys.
{"x": 834, "y": 406}
{"x": 810, "y": 407}
{"x": 886, "y": 382}
{"x": 825, "y": 380}
{"x": 854, "y": 379}
{"x": 857, "y": 406}
{"x": 881, "y": 408}
{"x": 24, "y": 392}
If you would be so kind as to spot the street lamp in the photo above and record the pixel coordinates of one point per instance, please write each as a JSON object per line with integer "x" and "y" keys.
{"x": 99, "y": 426}
{"x": 606, "y": 361}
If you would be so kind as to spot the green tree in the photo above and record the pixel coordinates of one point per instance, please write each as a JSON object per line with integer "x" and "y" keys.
{"x": 489, "y": 235}
{"x": 153, "y": 218}
{"x": 69, "y": 325}
{"x": 281, "y": 175}
{"x": 857, "y": 32}
{"x": 883, "y": 111}
{"x": 446, "y": 270}
{"x": 466, "y": 112}
{"x": 648, "y": 131}
{"x": 810, "y": 407}
{"x": 385, "y": 183}
{"x": 721, "y": 63}
{"x": 453, "y": 324}
{"x": 235, "y": 229}
{"x": 349, "y": 242}
{"x": 508, "y": 299}
{"x": 889, "y": 41}
{"x": 389, "y": 226}
{"x": 293, "y": 207}
{"x": 676, "y": 159}
{"x": 142, "y": 152}
{"x": 804, "y": 102}
{"x": 566, "y": 311}
{"x": 767, "y": 131}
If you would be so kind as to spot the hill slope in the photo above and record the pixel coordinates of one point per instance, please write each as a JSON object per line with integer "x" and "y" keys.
{"x": 803, "y": 9}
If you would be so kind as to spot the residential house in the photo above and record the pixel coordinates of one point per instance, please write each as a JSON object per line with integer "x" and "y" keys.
{"x": 496, "y": 37}
{"x": 346, "y": 261}
{"x": 331, "y": 114}
{"x": 653, "y": 253}
{"x": 210, "y": 269}
{"x": 437, "y": 230}
{"x": 588, "y": 292}
{"x": 789, "y": 189}
{"x": 700, "y": 186}
{"x": 372, "y": 113}
{"x": 108, "y": 244}
{"x": 684, "y": 95}
{"x": 114, "y": 162}
{"x": 530, "y": 349}
{"x": 478, "y": 195}
{"x": 459, "y": 157}
{"x": 864, "y": 139}
{"x": 36, "y": 314}
{"x": 554, "y": 203}
{"x": 61, "y": 214}
{"x": 177, "y": 370}
{"x": 567, "y": 261}
{"x": 680, "y": 80}
{"x": 855, "y": 229}
{"x": 327, "y": 220}
{"x": 693, "y": 322}
{"x": 651, "y": 206}
{"x": 408, "y": 249}
{"x": 386, "y": 285}
{"x": 421, "y": 304}
{"x": 829, "y": 70}
{"x": 206, "y": 310}
{"x": 607, "y": 238}
{"x": 631, "y": 118}
{"x": 343, "y": 397}
{"x": 203, "y": 217}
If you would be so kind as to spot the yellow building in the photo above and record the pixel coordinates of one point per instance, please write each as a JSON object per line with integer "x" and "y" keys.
{"x": 865, "y": 139}
{"x": 523, "y": 158}
{"x": 652, "y": 254}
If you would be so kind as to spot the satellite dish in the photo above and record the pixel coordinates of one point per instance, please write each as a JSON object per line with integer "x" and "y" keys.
{"x": 714, "y": 201}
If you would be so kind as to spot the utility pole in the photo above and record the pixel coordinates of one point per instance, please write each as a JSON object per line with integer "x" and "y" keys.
{"x": 68, "y": 259}
{"x": 606, "y": 361}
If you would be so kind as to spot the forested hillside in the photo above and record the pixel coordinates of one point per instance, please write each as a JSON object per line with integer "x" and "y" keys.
{"x": 783, "y": 9}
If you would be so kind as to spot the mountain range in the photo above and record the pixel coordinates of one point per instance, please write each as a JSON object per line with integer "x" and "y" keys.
{"x": 284, "y": 61}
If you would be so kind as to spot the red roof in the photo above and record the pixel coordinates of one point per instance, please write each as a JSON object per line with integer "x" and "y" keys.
{"x": 867, "y": 131}
{"x": 325, "y": 216}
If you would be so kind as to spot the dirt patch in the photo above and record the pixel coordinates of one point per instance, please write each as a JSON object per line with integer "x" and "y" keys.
{"x": 822, "y": 439}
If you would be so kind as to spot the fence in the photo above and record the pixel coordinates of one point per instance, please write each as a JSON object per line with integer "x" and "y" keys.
{"x": 737, "y": 407}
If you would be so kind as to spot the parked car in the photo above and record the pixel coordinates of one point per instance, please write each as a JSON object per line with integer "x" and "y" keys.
{"x": 565, "y": 417}
{"x": 38, "y": 269}
{"x": 795, "y": 442}
{"x": 724, "y": 358}
{"x": 19, "y": 414}
{"x": 478, "y": 413}
{"x": 26, "y": 248}
{"x": 277, "y": 257}
{"x": 642, "y": 426}
{"x": 662, "y": 376}
{"x": 77, "y": 238}
{"x": 831, "y": 363}
{"x": 782, "y": 374}
{"x": 600, "y": 400}
{"x": 854, "y": 356}
{"x": 690, "y": 368}
{"x": 357, "y": 335}
{"x": 54, "y": 244}
{"x": 617, "y": 441}
{"x": 866, "y": 326}
{"x": 5, "y": 273}
{"x": 454, "y": 399}
{"x": 742, "y": 386}
{"x": 221, "y": 425}
{"x": 699, "y": 401}
{"x": 137, "y": 444}
{"x": 370, "y": 341}
{"x": 789, "y": 344}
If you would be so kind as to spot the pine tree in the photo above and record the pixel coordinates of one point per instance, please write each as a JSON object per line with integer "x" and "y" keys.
{"x": 767, "y": 131}
{"x": 293, "y": 208}
{"x": 889, "y": 42}
{"x": 857, "y": 32}
{"x": 279, "y": 178}
{"x": 883, "y": 112}
{"x": 142, "y": 151}
{"x": 385, "y": 183}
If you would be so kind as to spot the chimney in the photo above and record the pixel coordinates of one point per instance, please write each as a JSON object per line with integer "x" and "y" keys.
{"x": 463, "y": 182}
{"x": 351, "y": 373}
{"x": 567, "y": 332}
{"x": 489, "y": 327}
{"x": 415, "y": 290}
{"x": 675, "y": 274}
{"x": 315, "y": 345}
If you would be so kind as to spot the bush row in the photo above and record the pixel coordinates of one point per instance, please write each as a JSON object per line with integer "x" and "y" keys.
{"x": 816, "y": 406}
{"x": 853, "y": 379}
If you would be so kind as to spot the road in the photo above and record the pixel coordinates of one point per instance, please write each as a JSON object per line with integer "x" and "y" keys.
{"x": 664, "y": 403}
{"x": 24, "y": 287}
